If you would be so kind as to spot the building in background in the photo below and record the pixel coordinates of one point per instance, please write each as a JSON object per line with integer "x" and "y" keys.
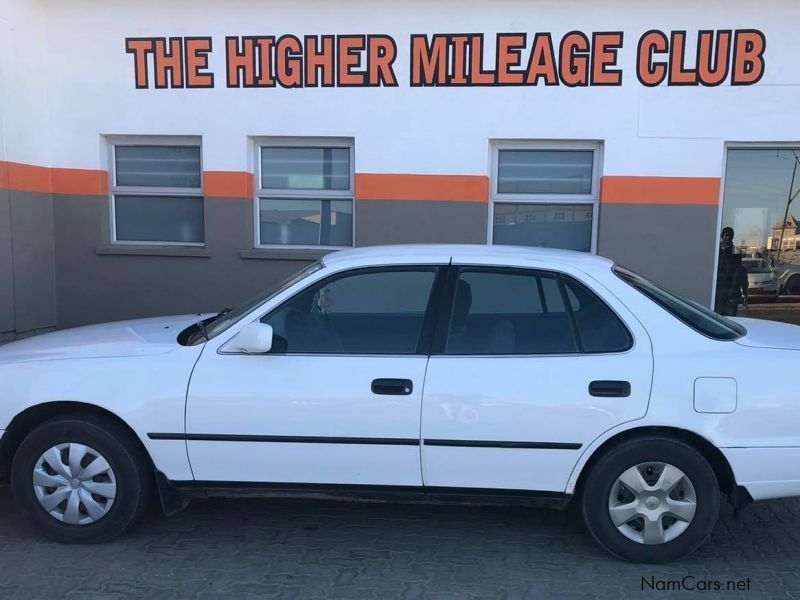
{"x": 785, "y": 235}
{"x": 175, "y": 156}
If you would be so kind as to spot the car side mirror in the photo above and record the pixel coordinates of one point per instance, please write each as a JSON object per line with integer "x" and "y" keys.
{"x": 254, "y": 338}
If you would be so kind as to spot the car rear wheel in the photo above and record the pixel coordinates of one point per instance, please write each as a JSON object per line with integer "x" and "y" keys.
{"x": 80, "y": 478}
{"x": 651, "y": 500}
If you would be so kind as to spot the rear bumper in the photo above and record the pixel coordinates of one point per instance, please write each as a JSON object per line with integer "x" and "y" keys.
{"x": 766, "y": 472}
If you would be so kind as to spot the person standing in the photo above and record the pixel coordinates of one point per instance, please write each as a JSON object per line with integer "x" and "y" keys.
{"x": 732, "y": 284}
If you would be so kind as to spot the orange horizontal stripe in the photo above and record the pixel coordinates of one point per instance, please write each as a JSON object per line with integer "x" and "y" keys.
{"x": 375, "y": 186}
{"x": 660, "y": 190}
{"x": 79, "y": 182}
{"x": 28, "y": 178}
{"x": 228, "y": 184}
{"x": 447, "y": 188}
{"x": 32, "y": 178}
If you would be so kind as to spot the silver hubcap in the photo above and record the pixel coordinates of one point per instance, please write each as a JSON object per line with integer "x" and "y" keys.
{"x": 74, "y": 483}
{"x": 652, "y": 503}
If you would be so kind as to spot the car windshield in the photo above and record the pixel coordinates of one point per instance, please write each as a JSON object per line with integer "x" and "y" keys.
{"x": 696, "y": 316}
{"x": 756, "y": 266}
{"x": 221, "y": 323}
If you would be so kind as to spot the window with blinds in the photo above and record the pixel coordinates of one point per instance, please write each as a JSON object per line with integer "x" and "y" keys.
{"x": 545, "y": 194}
{"x": 156, "y": 194}
{"x": 305, "y": 194}
{"x": 544, "y": 171}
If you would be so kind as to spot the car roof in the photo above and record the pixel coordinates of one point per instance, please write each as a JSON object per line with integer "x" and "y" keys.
{"x": 443, "y": 253}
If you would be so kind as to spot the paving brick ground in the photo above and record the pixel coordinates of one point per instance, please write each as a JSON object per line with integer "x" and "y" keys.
{"x": 307, "y": 549}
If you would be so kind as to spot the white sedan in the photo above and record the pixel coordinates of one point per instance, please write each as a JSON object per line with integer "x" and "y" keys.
{"x": 415, "y": 373}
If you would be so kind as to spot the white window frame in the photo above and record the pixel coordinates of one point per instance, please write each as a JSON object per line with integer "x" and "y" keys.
{"x": 114, "y": 189}
{"x": 592, "y": 199}
{"x": 292, "y": 194}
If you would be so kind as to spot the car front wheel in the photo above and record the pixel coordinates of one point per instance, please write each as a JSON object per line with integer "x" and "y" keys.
{"x": 651, "y": 500}
{"x": 793, "y": 285}
{"x": 80, "y": 479}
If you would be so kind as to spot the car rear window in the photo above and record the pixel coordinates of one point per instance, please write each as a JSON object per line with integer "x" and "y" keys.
{"x": 696, "y": 316}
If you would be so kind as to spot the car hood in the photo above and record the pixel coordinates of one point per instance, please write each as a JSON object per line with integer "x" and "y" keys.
{"x": 140, "y": 337}
{"x": 769, "y": 334}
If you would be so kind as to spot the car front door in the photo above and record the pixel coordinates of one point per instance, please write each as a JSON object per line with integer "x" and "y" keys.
{"x": 338, "y": 398}
{"x": 529, "y": 369}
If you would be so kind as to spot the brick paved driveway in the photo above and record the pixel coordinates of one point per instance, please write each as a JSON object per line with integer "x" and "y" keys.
{"x": 312, "y": 549}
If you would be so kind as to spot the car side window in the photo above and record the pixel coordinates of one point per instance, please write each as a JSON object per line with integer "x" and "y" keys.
{"x": 519, "y": 311}
{"x": 509, "y": 311}
{"x": 599, "y": 328}
{"x": 369, "y": 311}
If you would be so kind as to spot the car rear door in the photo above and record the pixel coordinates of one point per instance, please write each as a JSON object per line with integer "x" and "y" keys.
{"x": 337, "y": 400}
{"x": 530, "y": 367}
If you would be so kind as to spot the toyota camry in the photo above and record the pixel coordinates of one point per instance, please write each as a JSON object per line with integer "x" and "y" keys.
{"x": 478, "y": 374}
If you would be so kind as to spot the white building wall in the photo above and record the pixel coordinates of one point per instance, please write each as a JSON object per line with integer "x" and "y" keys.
{"x": 67, "y": 82}
{"x": 86, "y": 75}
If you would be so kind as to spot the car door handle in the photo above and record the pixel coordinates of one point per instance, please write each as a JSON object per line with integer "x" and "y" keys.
{"x": 610, "y": 389}
{"x": 392, "y": 387}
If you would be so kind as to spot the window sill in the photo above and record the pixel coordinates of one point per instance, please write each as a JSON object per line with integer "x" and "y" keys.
{"x": 155, "y": 250}
{"x": 285, "y": 253}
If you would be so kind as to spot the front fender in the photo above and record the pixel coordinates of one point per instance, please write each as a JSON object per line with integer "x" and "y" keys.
{"x": 146, "y": 392}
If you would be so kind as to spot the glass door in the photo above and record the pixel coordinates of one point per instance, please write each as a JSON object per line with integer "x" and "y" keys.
{"x": 758, "y": 273}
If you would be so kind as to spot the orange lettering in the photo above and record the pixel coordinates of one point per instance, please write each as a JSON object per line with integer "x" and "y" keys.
{"x": 139, "y": 47}
{"x": 319, "y": 60}
{"x": 708, "y": 73}
{"x": 288, "y": 55}
{"x": 477, "y": 75}
{"x": 349, "y": 48}
{"x": 240, "y": 62}
{"x": 169, "y": 63}
{"x": 604, "y": 55}
{"x": 650, "y": 72}
{"x": 197, "y": 49}
{"x": 542, "y": 62}
{"x": 459, "y": 75}
{"x": 575, "y": 59}
{"x": 266, "y": 77}
{"x": 748, "y": 57}
{"x": 428, "y": 62}
{"x": 509, "y": 47}
{"x": 677, "y": 74}
{"x": 381, "y": 55}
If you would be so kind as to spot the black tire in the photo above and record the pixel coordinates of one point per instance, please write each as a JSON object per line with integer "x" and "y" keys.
{"x": 792, "y": 286}
{"x": 603, "y": 476}
{"x": 122, "y": 452}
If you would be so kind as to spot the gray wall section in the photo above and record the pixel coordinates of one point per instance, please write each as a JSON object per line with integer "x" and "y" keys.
{"x": 27, "y": 262}
{"x": 671, "y": 244}
{"x": 6, "y": 265}
{"x": 419, "y": 221}
{"x": 32, "y": 230}
{"x": 674, "y": 245}
{"x": 93, "y": 288}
